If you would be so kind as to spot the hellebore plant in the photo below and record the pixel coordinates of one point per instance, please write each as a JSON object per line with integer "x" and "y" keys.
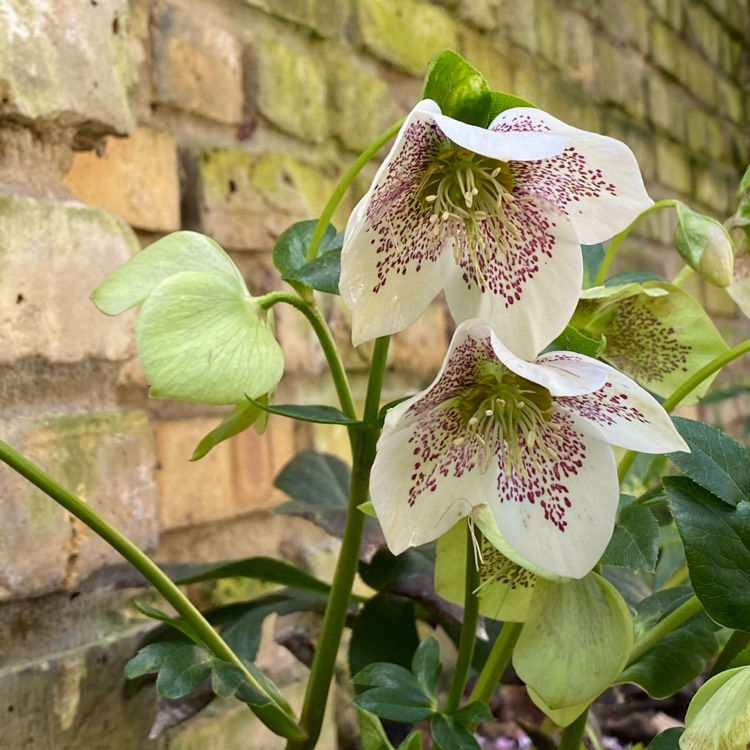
{"x": 521, "y": 485}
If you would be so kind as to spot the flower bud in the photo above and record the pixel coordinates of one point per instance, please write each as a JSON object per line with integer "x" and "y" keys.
{"x": 704, "y": 245}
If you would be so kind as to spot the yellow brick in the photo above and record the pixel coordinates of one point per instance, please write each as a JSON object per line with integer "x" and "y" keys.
{"x": 135, "y": 177}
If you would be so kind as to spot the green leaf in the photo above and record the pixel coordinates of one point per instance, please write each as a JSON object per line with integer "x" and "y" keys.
{"x": 577, "y": 638}
{"x": 243, "y": 415}
{"x": 473, "y": 713}
{"x": 717, "y": 462}
{"x": 319, "y": 487}
{"x": 413, "y": 741}
{"x": 385, "y": 674}
{"x": 175, "y": 622}
{"x": 248, "y": 694}
{"x": 500, "y": 101}
{"x": 290, "y": 250}
{"x": 426, "y": 665}
{"x": 261, "y": 568}
{"x": 371, "y": 732}
{"x": 716, "y": 537}
{"x": 742, "y": 218}
{"x": 385, "y": 631}
{"x": 667, "y": 740}
{"x": 173, "y": 254}
{"x": 635, "y": 543}
{"x": 322, "y": 273}
{"x": 201, "y": 339}
{"x": 450, "y": 735}
{"x": 181, "y": 666}
{"x": 593, "y": 255}
{"x": 459, "y": 89}
{"x": 677, "y": 659}
{"x": 574, "y": 340}
{"x": 318, "y": 413}
{"x": 633, "y": 277}
{"x": 659, "y": 604}
{"x": 226, "y": 678}
{"x": 396, "y": 705}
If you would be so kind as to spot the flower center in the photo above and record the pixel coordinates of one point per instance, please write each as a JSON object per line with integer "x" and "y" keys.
{"x": 504, "y": 414}
{"x": 461, "y": 190}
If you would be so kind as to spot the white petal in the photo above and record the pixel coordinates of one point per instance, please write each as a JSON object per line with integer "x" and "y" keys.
{"x": 560, "y": 516}
{"x": 391, "y": 262}
{"x": 622, "y": 413}
{"x": 530, "y": 280}
{"x": 422, "y": 483}
{"x": 502, "y": 146}
{"x": 595, "y": 180}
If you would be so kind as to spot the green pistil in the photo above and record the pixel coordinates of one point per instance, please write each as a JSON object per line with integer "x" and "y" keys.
{"x": 460, "y": 190}
{"x": 506, "y": 412}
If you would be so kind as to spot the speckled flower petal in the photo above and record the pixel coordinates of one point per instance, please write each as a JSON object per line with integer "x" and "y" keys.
{"x": 531, "y": 279}
{"x": 624, "y": 414}
{"x": 595, "y": 181}
{"x": 559, "y": 513}
{"x": 391, "y": 264}
{"x": 422, "y": 483}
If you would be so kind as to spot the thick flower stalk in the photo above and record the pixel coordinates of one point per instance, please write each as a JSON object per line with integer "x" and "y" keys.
{"x": 493, "y": 216}
{"x": 531, "y": 440}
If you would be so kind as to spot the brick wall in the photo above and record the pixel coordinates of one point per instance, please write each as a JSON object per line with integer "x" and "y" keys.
{"x": 122, "y": 121}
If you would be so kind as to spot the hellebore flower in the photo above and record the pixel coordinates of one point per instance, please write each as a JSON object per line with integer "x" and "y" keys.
{"x": 494, "y": 216}
{"x": 529, "y": 439}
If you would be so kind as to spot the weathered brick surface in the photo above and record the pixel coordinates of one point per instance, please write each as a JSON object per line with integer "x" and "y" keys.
{"x": 136, "y": 178}
{"x": 52, "y": 256}
{"x": 197, "y": 65}
{"x": 67, "y": 65}
{"x": 107, "y": 460}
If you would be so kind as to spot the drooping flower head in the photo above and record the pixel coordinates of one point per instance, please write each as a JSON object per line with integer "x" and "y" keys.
{"x": 529, "y": 439}
{"x": 494, "y": 216}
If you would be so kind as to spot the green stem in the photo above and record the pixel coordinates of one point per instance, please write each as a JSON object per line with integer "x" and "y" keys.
{"x": 664, "y": 627}
{"x": 685, "y": 273}
{"x": 327, "y": 344}
{"x": 736, "y": 643}
{"x": 572, "y": 735}
{"x": 277, "y": 718}
{"x": 497, "y": 661}
{"x": 321, "y": 673}
{"x": 684, "y": 389}
{"x": 468, "y": 629}
{"x": 617, "y": 240}
{"x": 343, "y": 186}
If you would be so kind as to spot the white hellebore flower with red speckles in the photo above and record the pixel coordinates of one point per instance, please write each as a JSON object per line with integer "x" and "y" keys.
{"x": 531, "y": 440}
{"x": 493, "y": 216}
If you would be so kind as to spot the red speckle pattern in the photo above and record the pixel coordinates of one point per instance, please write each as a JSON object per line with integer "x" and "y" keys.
{"x": 605, "y": 407}
{"x": 499, "y": 569}
{"x": 517, "y": 242}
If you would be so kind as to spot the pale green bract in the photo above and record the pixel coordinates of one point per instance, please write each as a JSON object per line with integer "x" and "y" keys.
{"x": 201, "y": 335}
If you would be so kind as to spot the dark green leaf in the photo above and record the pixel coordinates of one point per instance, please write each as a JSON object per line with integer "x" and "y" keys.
{"x": 653, "y": 608}
{"x": 226, "y": 678}
{"x": 593, "y": 255}
{"x": 371, "y": 732}
{"x": 450, "y": 735}
{"x": 290, "y": 250}
{"x": 261, "y": 568}
{"x": 322, "y": 274}
{"x": 426, "y": 665}
{"x": 633, "y": 277}
{"x": 717, "y": 462}
{"x": 384, "y": 631}
{"x": 574, "y": 340}
{"x": 243, "y": 415}
{"x": 635, "y": 543}
{"x": 500, "y": 101}
{"x": 318, "y": 413}
{"x": 248, "y": 694}
{"x": 672, "y": 564}
{"x": 716, "y": 537}
{"x": 396, "y": 705}
{"x": 459, "y": 89}
{"x": 628, "y": 582}
{"x": 413, "y": 741}
{"x": 384, "y": 674}
{"x": 319, "y": 487}
{"x": 676, "y": 660}
{"x": 174, "y": 622}
{"x": 473, "y": 713}
{"x": 668, "y": 740}
{"x": 181, "y": 666}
